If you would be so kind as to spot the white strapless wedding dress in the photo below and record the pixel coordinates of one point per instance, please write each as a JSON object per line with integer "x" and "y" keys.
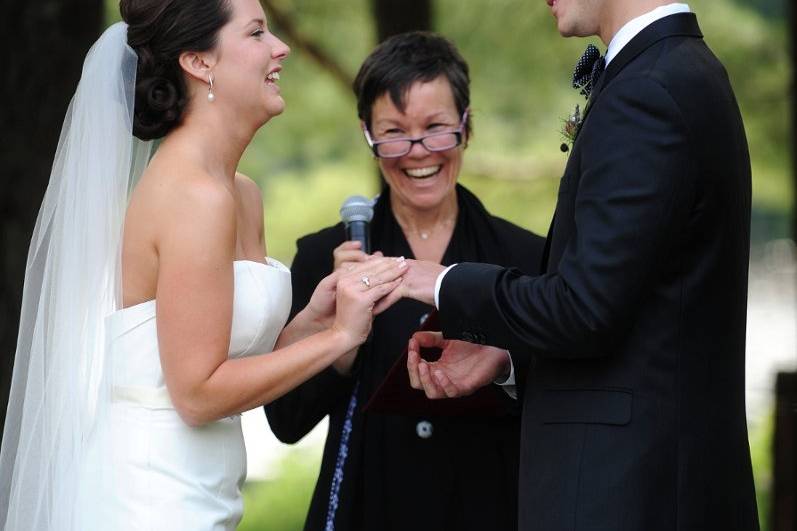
{"x": 164, "y": 474}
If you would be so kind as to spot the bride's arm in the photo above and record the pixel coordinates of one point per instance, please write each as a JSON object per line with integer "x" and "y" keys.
{"x": 196, "y": 249}
{"x": 305, "y": 323}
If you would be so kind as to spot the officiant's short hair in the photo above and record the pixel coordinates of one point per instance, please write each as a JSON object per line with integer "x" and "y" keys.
{"x": 405, "y": 59}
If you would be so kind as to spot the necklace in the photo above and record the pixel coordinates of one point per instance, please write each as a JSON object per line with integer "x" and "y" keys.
{"x": 425, "y": 234}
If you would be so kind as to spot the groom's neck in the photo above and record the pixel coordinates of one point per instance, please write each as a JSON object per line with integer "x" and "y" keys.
{"x": 617, "y": 13}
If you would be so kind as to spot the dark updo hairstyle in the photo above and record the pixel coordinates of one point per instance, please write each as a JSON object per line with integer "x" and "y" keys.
{"x": 159, "y": 31}
{"x": 404, "y": 59}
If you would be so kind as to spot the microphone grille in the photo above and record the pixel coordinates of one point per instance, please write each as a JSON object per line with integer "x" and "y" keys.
{"x": 357, "y": 208}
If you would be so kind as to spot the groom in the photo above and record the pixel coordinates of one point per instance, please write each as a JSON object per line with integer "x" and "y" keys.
{"x": 633, "y": 409}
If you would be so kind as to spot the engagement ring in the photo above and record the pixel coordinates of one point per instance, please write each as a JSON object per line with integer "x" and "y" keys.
{"x": 366, "y": 281}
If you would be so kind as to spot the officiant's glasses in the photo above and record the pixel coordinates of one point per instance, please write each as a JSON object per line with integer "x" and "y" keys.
{"x": 398, "y": 147}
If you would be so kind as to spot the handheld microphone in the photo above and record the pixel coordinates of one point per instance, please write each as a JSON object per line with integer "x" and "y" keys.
{"x": 356, "y": 213}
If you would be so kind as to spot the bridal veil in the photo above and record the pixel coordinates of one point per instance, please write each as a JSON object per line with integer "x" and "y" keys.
{"x": 60, "y": 388}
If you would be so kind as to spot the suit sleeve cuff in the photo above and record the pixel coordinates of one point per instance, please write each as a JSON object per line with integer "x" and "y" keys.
{"x": 438, "y": 283}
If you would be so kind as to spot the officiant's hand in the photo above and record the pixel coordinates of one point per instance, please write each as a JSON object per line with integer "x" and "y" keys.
{"x": 349, "y": 253}
{"x": 462, "y": 368}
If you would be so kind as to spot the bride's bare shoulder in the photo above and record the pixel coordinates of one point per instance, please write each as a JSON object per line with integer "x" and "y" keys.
{"x": 178, "y": 188}
{"x": 179, "y": 206}
{"x": 176, "y": 213}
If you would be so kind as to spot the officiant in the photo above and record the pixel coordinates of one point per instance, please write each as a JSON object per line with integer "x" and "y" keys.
{"x": 413, "y": 99}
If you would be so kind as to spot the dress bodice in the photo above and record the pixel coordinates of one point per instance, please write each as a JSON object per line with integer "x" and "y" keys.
{"x": 145, "y": 468}
{"x": 261, "y": 304}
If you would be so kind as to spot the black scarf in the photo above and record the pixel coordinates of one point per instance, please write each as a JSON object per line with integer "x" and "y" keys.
{"x": 477, "y": 237}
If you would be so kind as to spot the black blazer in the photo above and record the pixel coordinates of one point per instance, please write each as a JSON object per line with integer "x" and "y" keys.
{"x": 634, "y": 414}
{"x": 407, "y": 472}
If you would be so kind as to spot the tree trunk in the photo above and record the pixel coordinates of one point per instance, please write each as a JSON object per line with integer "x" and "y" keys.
{"x": 397, "y": 16}
{"x": 45, "y": 42}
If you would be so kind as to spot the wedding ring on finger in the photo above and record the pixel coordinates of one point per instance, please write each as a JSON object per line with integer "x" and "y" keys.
{"x": 367, "y": 281}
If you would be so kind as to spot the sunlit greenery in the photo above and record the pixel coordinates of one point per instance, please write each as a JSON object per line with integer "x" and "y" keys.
{"x": 280, "y": 504}
{"x": 761, "y": 453}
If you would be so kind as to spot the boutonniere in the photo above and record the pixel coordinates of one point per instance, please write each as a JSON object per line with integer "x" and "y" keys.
{"x": 570, "y": 127}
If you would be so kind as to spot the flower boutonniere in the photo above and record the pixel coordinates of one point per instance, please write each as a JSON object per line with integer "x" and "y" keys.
{"x": 570, "y": 127}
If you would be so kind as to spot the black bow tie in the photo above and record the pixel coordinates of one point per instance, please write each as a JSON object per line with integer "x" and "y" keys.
{"x": 588, "y": 70}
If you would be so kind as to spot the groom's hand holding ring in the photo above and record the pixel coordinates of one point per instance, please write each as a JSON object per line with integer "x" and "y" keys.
{"x": 462, "y": 368}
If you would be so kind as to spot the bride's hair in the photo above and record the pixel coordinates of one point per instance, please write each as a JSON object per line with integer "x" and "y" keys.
{"x": 159, "y": 31}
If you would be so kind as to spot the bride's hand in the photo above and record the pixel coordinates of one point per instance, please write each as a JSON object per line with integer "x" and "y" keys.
{"x": 359, "y": 288}
{"x": 321, "y": 307}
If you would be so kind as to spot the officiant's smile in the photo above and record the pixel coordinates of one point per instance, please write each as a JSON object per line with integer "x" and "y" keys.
{"x": 419, "y": 147}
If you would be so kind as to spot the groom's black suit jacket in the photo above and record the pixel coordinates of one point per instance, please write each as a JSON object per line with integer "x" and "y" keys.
{"x": 634, "y": 410}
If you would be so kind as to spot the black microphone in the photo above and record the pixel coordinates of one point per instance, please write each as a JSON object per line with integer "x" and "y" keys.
{"x": 356, "y": 213}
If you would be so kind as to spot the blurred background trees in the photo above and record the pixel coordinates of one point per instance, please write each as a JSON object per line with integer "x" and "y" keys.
{"x": 45, "y": 44}
{"x": 312, "y": 157}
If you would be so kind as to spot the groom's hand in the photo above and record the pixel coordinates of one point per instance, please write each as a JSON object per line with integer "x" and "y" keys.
{"x": 462, "y": 368}
{"x": 418, "y": 283}
{"x": 420, "y": 279}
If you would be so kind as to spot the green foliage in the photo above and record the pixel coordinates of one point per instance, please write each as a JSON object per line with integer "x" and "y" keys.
{"x": 768, "y": 8}
{"x": 299, "y": 204}
{"x": 281, "y": 503}
{"x": 755, "y": 53}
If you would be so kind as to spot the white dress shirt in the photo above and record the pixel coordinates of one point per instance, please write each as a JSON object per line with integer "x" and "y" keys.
{"x": 632, "y": 28}
{"x": 629, "y": 30}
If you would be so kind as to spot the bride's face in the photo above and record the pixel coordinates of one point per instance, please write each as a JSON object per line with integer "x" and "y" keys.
{"x": 249, "y": 59}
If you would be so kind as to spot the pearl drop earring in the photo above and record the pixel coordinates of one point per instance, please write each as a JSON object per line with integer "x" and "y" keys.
{"x": 211, "y": 96}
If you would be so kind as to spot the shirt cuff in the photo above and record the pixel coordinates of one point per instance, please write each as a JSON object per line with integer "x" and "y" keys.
{"x": 508, "y": 385}
{"x": 438, "y": 283}
{"x": 510, "y": 380}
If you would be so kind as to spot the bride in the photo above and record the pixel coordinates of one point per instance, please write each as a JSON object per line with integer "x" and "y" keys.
{"x": 148, "y": 303}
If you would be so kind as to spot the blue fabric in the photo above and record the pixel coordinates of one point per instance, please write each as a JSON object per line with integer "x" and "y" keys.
{"x": 343, "y": 452}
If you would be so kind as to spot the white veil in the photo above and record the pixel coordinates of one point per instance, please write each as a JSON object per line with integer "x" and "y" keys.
{"x": 72, "y": 282}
